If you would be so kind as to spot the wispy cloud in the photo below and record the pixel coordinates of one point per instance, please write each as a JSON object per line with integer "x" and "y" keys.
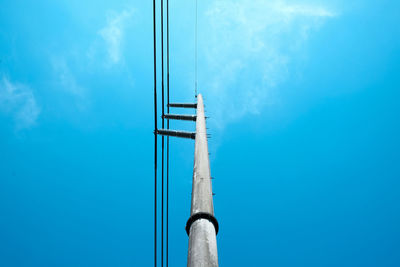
{"x": 18, "y": 100}
{"x": 113, "y": 33}
{"x": 248, "y": 48}
{"x": 65, "y": 79}
{"x": 74, "y": 64}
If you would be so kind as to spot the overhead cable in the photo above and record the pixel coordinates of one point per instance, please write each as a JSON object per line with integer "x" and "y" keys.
{"x": 155, "y": 133}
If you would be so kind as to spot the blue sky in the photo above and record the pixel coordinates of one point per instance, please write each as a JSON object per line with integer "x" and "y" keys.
{"x": 303, "y": 99}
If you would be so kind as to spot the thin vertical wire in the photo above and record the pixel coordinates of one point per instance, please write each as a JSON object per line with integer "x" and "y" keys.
{"x": 167, "y": 128}
{"x": 155, "y": 133}
{"x": 162, "y": 140}
{"x": 195, "y": 56}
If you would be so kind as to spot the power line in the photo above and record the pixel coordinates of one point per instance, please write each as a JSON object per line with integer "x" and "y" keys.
{"x": 167, "y": 128}
{"x": 163, "y": 131}
{"x": 162, "y": 140}
{"x": 155, "y": 132}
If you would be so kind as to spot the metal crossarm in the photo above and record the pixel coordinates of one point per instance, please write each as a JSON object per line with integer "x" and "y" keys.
{"x": 183, "y": 105}
{"x": 183, "y": 134}
{"x": 180, "y": 117}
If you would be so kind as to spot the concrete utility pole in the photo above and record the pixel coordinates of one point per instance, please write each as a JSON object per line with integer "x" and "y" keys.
{"x": 202, "y": 226}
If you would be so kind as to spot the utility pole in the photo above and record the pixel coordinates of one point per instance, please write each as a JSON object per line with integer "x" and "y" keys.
{"x": 202, "y": 226}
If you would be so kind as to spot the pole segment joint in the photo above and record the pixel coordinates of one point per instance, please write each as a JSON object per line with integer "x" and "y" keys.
{"x": 202, "y": 215}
